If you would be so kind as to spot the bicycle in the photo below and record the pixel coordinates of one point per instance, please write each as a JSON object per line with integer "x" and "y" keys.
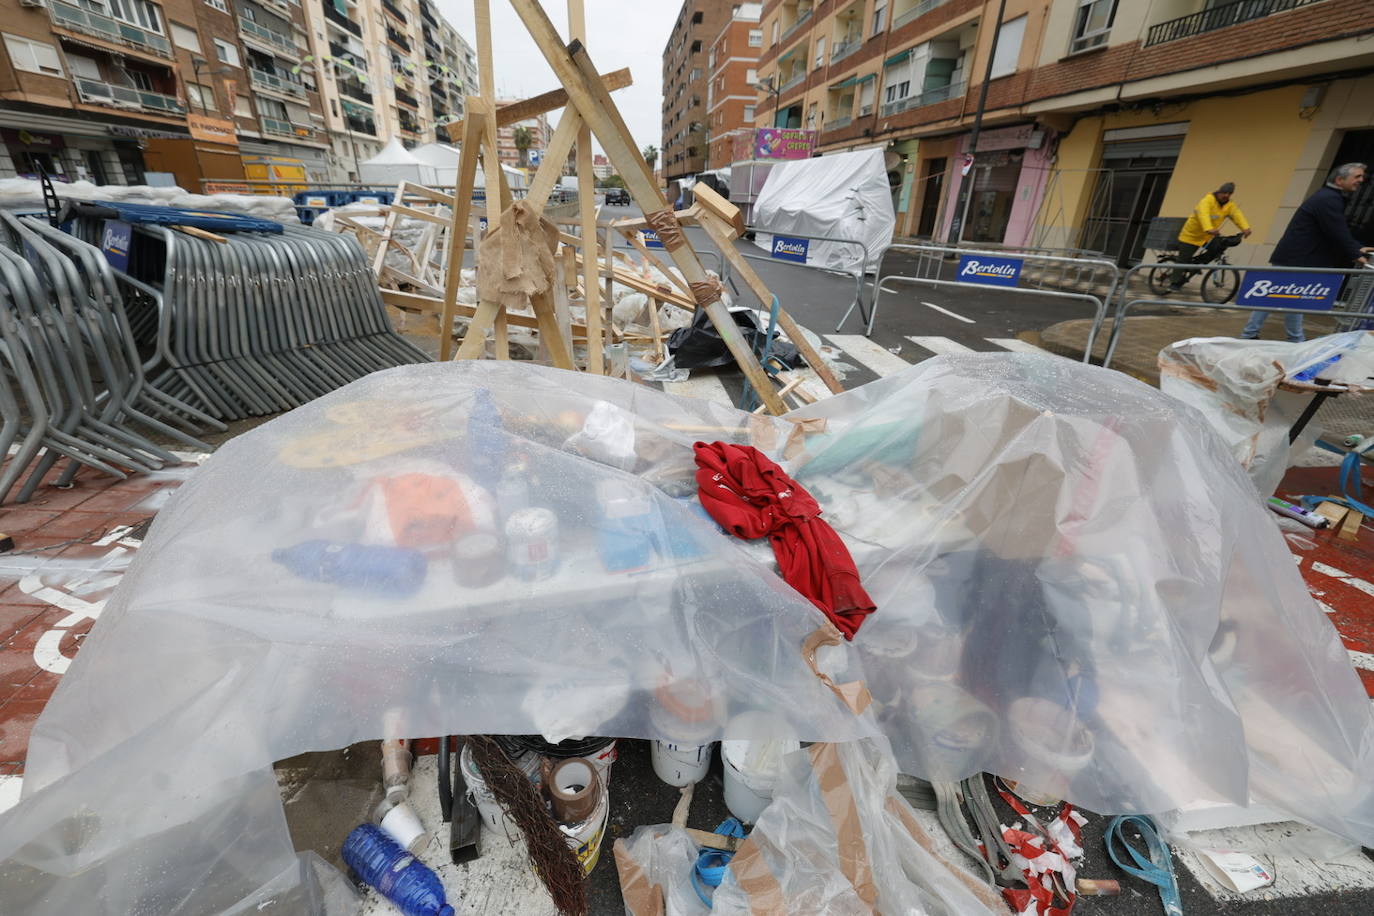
{"x": 1218, "y": 286}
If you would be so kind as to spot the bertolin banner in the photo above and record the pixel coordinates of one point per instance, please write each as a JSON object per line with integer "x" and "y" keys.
{"x": 787, "y": 248}
{"x": 981, "y": 268}
{"x": 650, "y": 238}
{"x": 1285, "y": 290}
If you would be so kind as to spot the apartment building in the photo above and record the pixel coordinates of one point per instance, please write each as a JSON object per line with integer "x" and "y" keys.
{"x": 732, "y": 70}
{"x": 1100, "y": 115}
{"x": 209, "y": 93}
{"x": 509, "y": 153}
{"x": 686, "y": 78}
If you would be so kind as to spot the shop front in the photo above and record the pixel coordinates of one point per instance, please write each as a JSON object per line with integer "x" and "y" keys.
{"x": 1007, "y": 174}
{"x": 67, "y": 150}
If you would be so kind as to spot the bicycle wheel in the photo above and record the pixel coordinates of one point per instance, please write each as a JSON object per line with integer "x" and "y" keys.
{"x": 1219, "y": 286}
{"x": 1160, "y": 278}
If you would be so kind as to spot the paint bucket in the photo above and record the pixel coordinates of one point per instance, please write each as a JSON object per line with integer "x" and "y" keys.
{"x": 686, "y": 714}
{"x": 585, "y": 838}
{"x": 1053, "y": 738}
{"x": 494, "y": 817}
{"x": 751, "y": 771}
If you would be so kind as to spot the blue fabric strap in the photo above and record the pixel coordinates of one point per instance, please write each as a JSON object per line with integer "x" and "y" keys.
{"x": 1158, "y": 868}
{"x": 710, "y": 866}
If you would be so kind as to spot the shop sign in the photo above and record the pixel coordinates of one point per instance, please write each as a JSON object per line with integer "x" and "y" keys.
{"x": 226, "y": 187}
{"x": 650, "y": 238}
{"x": 1280, "y": 289}
{"x": 32, "y": 141}
{"x": 783, "y": 143}
{"x": 1026, "y": 137}
{"x": 144, "y": 133}
{"x": 115, "y": 243}
{"x": 212, "y": 130}
{"x": 988, "y": 270}
{"x": 787, "y": 248}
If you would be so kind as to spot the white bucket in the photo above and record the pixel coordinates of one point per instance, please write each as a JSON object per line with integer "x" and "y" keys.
{"x": 1053, "y": 738}
{"x": 751, "y": 771}
{"x": 585, "y": 838}
{"x": 493, "y": 815}
{"x": 681, "y": 764}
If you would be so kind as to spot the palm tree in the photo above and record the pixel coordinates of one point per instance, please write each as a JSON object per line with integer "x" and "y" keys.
{"x": 650, "y": 154}
{"x": 523, "y": 138}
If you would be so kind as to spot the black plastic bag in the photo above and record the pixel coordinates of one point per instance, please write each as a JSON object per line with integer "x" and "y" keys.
{"x": 698, "y": 346}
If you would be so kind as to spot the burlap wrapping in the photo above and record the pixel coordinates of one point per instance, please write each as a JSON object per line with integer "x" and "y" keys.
{"x": 706, "y": 291}
{"x": 665, "y": 223}
{"x": 515, "y": 260}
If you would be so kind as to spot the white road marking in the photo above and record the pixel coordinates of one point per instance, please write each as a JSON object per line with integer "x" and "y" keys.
{"x": 703, "y": 386}
{"x": 1016, "y": 345}
{"x": 1294, "y": 876}
{"x": 868, "y": 354}
{"x": 1343, "y": 576}
{"x": 1363, "y": 660}
{"x": 9, "y": 791}
{"x": 940, "y": 346}
{"x": 945, "y": 311}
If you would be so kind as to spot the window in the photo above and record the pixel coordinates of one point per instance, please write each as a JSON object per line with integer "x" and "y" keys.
{"x": 271, "y": 108}
{"x": 217, "y": 4}
{"x": 227, "y": 52}
{"x": 879, "y": 16}
{"x": 84, "y": 67}
{"x": 897, "y": 80}
{"x": 866, "y": 96}
{"x": 711, "y": 59}
{"x": 33, "y": 56}
{"x": 200, "y": 97}
{"x": 748, "y": 112}
{"x": 756, "y": 38}
{"x": 185, "y": 38}
{"x": 820, "y": 52}
{"x": 243, "y": 107}
{"x": 140, "y": 80}
{"x": 1009, "y": 38}
{"x": 141, "y": 13}
{"x": 811, "y": 115}
{"x": 775, "y": 31}
{"x": 1092, "y": 24}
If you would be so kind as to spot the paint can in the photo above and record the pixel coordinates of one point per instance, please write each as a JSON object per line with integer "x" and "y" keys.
{"x": 688, "y": 716}
{"x": 477, "y": 559}
{"x": 494, "y": 817}
{"x": 752, "y": 767}
{"x": 1055, "y": 741}
{"x": 681, "y": 765}
{"x": 532, "y": 543}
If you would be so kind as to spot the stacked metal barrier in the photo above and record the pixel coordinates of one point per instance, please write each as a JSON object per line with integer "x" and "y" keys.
{"x": 198, "y": 330}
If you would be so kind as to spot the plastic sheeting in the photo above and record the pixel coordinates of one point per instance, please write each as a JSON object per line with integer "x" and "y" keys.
{"x": 843, "y": 195}
{"x": 1236, "y": 384}
{"x": 1076, "y": 589}
{"x": 27, "y": 193}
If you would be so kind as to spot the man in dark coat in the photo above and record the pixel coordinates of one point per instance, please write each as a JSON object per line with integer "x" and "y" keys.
{"x": 1317, "y": 236}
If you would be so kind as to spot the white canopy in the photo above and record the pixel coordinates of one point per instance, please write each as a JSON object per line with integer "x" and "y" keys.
{"x": 395, "y": 164}
{"x": 443, "y": 159}
{"x": 845, "y": 195}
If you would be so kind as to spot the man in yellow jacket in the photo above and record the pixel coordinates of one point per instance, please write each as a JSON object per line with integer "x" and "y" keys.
{"x": 1203, "y": 226}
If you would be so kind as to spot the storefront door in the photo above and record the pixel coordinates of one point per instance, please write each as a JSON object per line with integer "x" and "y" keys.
{"x": 1358, "y": 146}
{"x": 1130, "y": 189}
{"x": 932, "y": 190}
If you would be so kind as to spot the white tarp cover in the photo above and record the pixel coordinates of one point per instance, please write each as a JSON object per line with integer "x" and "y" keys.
{"x": 1076, "y": 588}
{"x": 843, "y": 195}
{"x": 1236, "y": 384}
{"x": 395, "y": 164}
{"x": 443, "y": 159}
{"x": 27, "y": 193}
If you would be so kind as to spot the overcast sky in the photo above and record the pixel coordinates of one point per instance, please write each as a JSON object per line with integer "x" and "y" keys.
{"x": 620, "y": 33}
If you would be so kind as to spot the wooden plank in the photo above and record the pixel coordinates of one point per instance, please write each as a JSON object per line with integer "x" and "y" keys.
{"x": 507, "y": 115}
{"x": 586, "y": 207}
{"x": 387, "y": 229}
{"x": 725, "y": 211}
{"x": 1331, "y": 512}
{"x": 560, "y": 144}
{"x": 585, "y": 91}
{"x": 423, "y": 215}
{"x": 460, "y": 207}
{"x": 433, "y": 195}
{"x": 417, "y": 303}
{"x": 714, "y": 228}
{"x": 202, "y": 234}
{"x": 638, "y": 244}
{"x": 1350, "y": 530}
{"x": 714, "y": 840}
{"x": 638, "y": 283}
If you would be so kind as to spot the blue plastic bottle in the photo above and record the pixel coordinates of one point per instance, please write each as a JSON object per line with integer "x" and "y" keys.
{"x": 1311, "y": 372}
{"x": 394, "y": 571}
{"x": 486, "y": 440}
{"x": 396, "y": 874}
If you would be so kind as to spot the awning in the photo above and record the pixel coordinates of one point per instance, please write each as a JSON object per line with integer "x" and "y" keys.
{"x": 871, "y": 76}
{"x": 898, "y": 58}
{"x": 844, "y": 83}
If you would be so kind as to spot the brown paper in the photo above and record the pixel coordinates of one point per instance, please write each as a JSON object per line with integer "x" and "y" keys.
{"x": 669, "y": 230}
{"x": 641, "y": 897}
{"x": 855, "y": 694}
{"x": 855, "y": 864}
{"x": 757, "y": 881}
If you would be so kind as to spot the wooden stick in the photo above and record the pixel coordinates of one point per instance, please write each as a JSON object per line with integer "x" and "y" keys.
{"x": 636, "y": 282}
{"x": 633, "y": 238}
{"x": 560, "y": 144}
{"x": 202, "y": 234}
{"x": 387, "y": 229}
{"x": 714, "y": 229}
{"x": 586, "y": 207}
{"x": 544, "y": 103}
{"x": 415, "y": 302}
{"x": 424, "y": 215}
{"x": 655, "y": 329}
{"x": 460, "y": 207}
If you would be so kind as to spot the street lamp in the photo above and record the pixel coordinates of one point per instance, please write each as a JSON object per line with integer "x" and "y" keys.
{"x": 769, "y": 84}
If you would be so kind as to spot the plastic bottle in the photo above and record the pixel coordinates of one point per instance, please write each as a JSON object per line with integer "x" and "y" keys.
{"x": 394, "y": 571}
{"x": 396, "y": 874}
{"x": 1312, "y": 372}
{"x": 486, "y": 441}
{"x": 513, "y": 492}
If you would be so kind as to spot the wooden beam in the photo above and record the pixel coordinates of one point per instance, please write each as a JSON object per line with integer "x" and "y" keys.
{"x": 424, "y": 215}
{"x": 580, "y": 78}
{"x": 460, "y": 207}
{"x": 636, "y": 282}
{"x": 556, "y": 99}
{"x": 711, "y": 202}
{"x": 718, "y": 233}
{"x": 586, "y": 207}
{"x": 633, "y": 238}
{"x": 414, "y": 302}
{"x": 560, "y": 144}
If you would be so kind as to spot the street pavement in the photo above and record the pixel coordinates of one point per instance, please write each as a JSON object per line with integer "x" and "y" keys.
{"x": 72, "y": 546}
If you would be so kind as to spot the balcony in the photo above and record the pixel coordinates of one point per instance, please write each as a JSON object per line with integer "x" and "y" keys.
{"x": 405, "y": 98}
{"x": 278, "y": 41}
{"x": 94, "y": 92}
{"x": 286, "y": 129}
{"x": 394, "y": 10}
{"x": 355, "y": 91}
{"x": 274, "y": 83}
{"x": 802, "y": 20}
{"x": 917, "y": 11}
{"x": 347, "y": 58}
{"x": 397, "y": 39}
{"x": 929, "y": 97}
{"x": 428, "y": 15}
{"x": 846, "y": 48}
{"x": 1219, "y": 17}
{"x": 838, "y": 123}
{"x": 794, "y": 81}
{"x": 361, "y": 125}
{"x": 69, "y": 17}
{"x": 339, "y": 19}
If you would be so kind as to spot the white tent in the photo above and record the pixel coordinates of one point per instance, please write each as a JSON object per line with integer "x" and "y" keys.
{"x": 845, "y": 195}
{"x": 443, "y": 159}
{"x": 395, "y": 164}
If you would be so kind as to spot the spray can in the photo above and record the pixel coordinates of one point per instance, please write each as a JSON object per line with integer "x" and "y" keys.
{"x": 532, "y": 543}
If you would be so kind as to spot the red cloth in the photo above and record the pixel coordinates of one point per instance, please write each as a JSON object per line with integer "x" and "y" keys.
{"x": 750, "y": 496}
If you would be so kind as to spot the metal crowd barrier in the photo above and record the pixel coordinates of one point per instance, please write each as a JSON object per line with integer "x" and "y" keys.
{"x": 789, "y": 257}
{"x": 1348, "y": 291}
{"x": 1005, "y": 276}
{"x": 72, "y": 381}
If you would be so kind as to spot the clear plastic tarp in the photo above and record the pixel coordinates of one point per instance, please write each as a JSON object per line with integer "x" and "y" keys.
{"x": 1254, "y": 391}
{"x": 1076, "y": 589}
